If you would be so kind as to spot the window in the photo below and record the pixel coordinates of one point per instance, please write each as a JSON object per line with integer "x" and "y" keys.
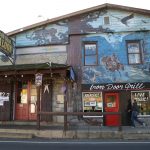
{"x": 106, "y": 20}
{"x": 92, "y": 102}
{"x": 22, "y": 93}
{"x": 90, "y": 54}
{"x": 143, "y": 101}
{"x": 134, "y": 52}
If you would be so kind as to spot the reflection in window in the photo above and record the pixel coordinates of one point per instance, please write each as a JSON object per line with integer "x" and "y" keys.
{"x": 92, "y": 102}
{"x": 22, "y": 93}
{"x": 111, "y": 101}
{"x": 143, "y": 101}
{"x": 90, "y": 54}
{"x": 134, "y": 52}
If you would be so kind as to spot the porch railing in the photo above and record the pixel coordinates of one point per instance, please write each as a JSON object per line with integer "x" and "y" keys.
{"x": 65, "y": 114}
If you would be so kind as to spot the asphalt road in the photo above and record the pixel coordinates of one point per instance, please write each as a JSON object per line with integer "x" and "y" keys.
{"x": 74, "y": 145}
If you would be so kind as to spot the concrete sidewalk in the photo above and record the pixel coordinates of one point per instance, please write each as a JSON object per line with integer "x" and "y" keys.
{"x": 74, "y": 132}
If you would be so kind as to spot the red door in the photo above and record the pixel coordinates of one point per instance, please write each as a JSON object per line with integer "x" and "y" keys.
{"x": 26, "y": 101}
{"x": 112, "y": 105}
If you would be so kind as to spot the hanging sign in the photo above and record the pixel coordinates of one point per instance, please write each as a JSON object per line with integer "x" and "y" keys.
{"x": 6, "y": 44}
{"x": 38, "y": 79}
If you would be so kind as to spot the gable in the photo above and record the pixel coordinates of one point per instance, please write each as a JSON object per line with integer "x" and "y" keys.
{"x": 119, "y": 21}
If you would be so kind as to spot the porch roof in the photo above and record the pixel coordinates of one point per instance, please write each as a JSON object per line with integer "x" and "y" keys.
{"x": 37, "y": 66}
{"x": 44, "y": 68}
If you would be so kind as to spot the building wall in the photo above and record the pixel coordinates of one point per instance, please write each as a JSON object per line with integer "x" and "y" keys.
{"x": 111, "y": 43}
{"x": 112, "y": 49}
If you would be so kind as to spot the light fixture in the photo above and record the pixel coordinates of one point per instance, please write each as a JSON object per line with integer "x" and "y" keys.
{"x": 22, "y": 75}
{"x": 5, "y": 75}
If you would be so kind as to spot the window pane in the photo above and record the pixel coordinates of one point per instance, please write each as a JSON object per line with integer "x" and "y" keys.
{"x": 133, "y": 48}
{"x": 111, "y": 101}
{"x": 90, "y": 60}
{"x": 90, "y": 49}
{"x": 143, "y": 101}
{"x": 92, "y": 102}
{"x": 134, "y": 59}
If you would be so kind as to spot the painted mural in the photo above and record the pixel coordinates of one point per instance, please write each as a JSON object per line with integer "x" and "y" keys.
{"x": 116, "y": 21}
{"x": 50, "y": 34}
{"x": 113, "y": 61}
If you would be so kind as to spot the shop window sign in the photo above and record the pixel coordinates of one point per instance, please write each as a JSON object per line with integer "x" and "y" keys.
{"x": 143, "y": 101}
{"x": 92, "y": 102}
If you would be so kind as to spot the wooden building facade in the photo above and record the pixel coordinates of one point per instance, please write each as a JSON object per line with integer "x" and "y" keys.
{"x": 108, "y": 48}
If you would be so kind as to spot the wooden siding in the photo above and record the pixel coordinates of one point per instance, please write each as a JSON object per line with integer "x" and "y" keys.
{"x": 74, "y": 25}
{"x": 41, "y": 49}
{"x": 120, "y": 21}
{"x": 59, "y": 58}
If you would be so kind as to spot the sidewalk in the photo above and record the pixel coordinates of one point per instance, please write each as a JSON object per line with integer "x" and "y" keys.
{"x": 74, "y": 132}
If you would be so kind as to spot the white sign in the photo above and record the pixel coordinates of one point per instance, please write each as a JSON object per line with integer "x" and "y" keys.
{"x": 38, "y": 79}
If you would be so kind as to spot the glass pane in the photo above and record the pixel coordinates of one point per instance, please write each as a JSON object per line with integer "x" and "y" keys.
{"x": 134, "y": 59}
{"x": 90, "y": 60}
{"x": 92, "y": 102}
{"x": 22, "y": 93}
{"x": 133, "y": 48}
{"x": 111, "y": 101}
{"x": 24, "y": 96}
{"x": 90, "y": 49}
{"x": 143, "y": 101}
{"x": 33, "y": 94}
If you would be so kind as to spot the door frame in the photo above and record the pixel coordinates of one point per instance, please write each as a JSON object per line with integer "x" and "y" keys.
{"x": 112, "y": 120}
{"x": 22, "y": 111}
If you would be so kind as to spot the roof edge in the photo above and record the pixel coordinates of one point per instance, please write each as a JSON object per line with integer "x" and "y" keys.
{"x": 87, "y": 10}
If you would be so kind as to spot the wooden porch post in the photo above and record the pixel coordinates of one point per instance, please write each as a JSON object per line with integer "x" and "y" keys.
{"x": 38, "y": 107}
{"x": 38, "y": 83}
{"x": 65, "y": 107}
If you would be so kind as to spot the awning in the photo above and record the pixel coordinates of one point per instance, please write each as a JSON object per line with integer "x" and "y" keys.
{"x": 43, "y": 68}
{"x": 19, "y": 67}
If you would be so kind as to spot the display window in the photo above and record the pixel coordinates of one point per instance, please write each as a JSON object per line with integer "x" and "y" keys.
{"x": 92, "y": 102}
{"x": 143, "y": 101}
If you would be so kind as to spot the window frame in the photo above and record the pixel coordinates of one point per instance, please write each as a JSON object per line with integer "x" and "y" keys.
{"x": 139, "y": 102}
{"x": 104, "y": 21}
{"x": 90, "y": 105}
{"x": 96, "y": 54}
{"x": 139, "y": 53}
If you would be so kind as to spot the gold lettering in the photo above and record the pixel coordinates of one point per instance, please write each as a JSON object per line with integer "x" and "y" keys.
{"x": 5, "y": 44}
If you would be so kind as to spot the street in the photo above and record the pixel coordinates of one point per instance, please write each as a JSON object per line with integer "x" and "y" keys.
{"x": 73, "y": 145}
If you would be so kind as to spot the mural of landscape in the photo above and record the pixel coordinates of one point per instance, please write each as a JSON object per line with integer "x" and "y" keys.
{"x": 113, "y": 61}
{"x": 50, "y": 34}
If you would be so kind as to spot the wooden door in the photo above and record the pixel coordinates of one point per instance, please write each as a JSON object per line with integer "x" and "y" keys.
{"x": 26, "y": 98}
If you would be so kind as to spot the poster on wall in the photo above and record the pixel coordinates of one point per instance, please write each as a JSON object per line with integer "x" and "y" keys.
{"x": 92, "y": 102}
{"x": 4, "y": 97}
{"x": 143, "y": 101}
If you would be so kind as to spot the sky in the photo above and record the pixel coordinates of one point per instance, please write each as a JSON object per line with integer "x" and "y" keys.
{"x": 16, "y": 14}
